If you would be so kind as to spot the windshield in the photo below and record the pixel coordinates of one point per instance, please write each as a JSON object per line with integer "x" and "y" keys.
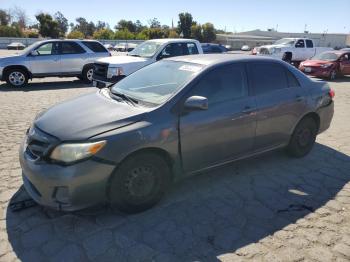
{"x": 326, "y": 57}
{"x": 156, "y": 83}
{"x": 284, "y": 41}
{"x": 146, "y": 49}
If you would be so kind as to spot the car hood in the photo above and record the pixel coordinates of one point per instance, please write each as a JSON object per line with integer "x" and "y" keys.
{"x": 122, "y": 59}
{"x": 87, "y": 115}
{"x": 10, "y": 58}
{"x": 317, "y": 62}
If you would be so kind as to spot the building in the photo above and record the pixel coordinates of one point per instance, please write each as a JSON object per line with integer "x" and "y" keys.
{"x": 258, "y": 38}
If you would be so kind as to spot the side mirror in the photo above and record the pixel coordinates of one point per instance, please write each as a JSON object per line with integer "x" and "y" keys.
{"x": 196, "y": 103}
{"x": 34, "y": 53}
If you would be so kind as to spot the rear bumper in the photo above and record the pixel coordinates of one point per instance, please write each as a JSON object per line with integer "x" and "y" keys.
{"x": 326, "y": 115}
{"x": 66, "y": 188}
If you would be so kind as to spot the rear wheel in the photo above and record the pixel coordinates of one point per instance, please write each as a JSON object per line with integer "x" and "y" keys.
{"x": 303, "y": 138}
{"x": 333, "y": 75}
{"x": 139, "y": 183}
{"x": 16, "y": 77}
{"x": 87, "y": 74}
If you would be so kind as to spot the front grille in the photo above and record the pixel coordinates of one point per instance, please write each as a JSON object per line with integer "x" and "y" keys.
{"x": 38, "y": 143}
{"x": 264, "y": 51}
{"x": 100, "y": 69}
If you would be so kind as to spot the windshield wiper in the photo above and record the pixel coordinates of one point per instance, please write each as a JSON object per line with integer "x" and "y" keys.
{"x": 125, "y": 97}
{"x": 134, "y": 55}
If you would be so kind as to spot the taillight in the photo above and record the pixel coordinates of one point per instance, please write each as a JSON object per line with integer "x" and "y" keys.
{"x": 331, "y": 93}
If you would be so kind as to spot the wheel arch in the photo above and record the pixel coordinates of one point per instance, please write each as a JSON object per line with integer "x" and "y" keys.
{"x": 154, "y": 150}
{"x": 86, "y": 66}
{"x": 312, "y": 115}
{"x": 7, "y": 68}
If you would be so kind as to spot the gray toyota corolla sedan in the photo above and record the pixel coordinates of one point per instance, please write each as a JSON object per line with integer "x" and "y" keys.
{"x": 179, "y": 116}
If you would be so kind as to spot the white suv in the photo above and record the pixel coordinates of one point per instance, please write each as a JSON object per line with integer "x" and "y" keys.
{"x": 60, "y": 58}
{"x": 112, "y": 69}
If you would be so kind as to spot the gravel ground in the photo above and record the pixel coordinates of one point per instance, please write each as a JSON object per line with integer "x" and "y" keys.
{"x": 270, "y": 208}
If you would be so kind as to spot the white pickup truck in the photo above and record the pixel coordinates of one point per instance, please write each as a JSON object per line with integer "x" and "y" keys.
{"x": 291, "y": 50}
{"x": 112, "y": 69}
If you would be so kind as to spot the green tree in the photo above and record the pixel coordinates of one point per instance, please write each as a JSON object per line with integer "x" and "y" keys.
{"x": 62, "y": 23}
{"x": 208, "y": 32}
{"x": 5, "y": 18}
{"x": 75, "y": 35}
{"x": 47, "y": 26}
{"x": 184, "y": 24}
{"x": 154, "y": 33}
{"x": 10, "y": 31}
{"x": 87, "y": 28}
{"x": 139, "y": 27}
{"x": 173, "y": 34}
{"x": 101, "y": 25}
{"x": 124, "y": 34}
{"x": 196, "y": 32}
{"x": 154, "y": 23}
{"x": 143, "y": 35}
{"x": 124, "y": 24}
{"x": 103, "y": 34}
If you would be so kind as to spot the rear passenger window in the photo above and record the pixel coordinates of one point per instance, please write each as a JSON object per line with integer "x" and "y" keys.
{"x": 71, "y": 48}
{"x": 292, "y": 81}
{"x": 191, "y": 49}
{"x": 222, "y": 84}
{"x": 268, "y": 77}
{"x": 309, "y": 43}
{"x": 95, "y": 47}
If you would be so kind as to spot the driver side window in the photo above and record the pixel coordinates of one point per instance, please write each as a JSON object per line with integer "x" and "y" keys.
{"x": 48, "y": 49}
{"x": 300, "y": 44}
{"x": 174, "y": 49}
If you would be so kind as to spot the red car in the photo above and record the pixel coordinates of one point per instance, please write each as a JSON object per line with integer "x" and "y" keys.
{"x": 328, "y": 64}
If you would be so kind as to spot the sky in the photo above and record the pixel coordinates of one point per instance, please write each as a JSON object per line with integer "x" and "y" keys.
{"x": 316, "y": 16}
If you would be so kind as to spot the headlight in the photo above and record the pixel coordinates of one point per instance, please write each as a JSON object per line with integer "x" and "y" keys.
{"x": 69, "y": 153}
{"x": 326, "y": 65}
{"x": 114, "y": 71}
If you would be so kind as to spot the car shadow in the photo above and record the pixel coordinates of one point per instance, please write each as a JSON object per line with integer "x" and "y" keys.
{"x": 201, "y": 218}
{"x": 39, "y": 86}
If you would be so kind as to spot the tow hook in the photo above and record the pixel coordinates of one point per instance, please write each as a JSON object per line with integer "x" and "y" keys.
{"x": 22, "y": 204}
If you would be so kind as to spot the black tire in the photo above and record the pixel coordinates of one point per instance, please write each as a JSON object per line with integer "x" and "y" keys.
{"x": 80, "y": 78}
{"x": 287, "y": 57}
{"x": 87, "y": 73}
{"x": 139, "y": 183}
{"x": 16, "y": 77}
{"x": 333, "y": 75}
{"x": 303, "y": 138}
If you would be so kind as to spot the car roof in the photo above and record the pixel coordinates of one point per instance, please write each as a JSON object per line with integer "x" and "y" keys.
{"x": 211, "y": 59}
{"x": 166, "y": 40}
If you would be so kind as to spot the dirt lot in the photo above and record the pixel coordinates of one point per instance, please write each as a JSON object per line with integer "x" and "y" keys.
{"x": 270, "y": 208}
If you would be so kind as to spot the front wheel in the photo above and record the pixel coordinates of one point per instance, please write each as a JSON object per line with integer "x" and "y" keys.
{"x": 16, "y": 77}
{"x": 87, "y": 74}
{"x": 333, "y": 75}
{"x": 139, "y": 183}
{"x": 303, "y": 138}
